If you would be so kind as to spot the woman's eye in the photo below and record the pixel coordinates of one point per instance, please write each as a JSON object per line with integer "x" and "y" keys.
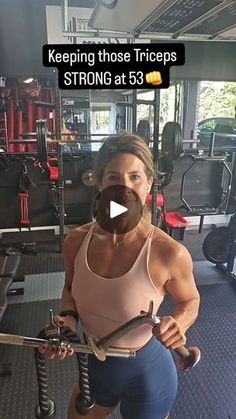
{"x": 112, "y": 177}
{"x": 135, "y": 177}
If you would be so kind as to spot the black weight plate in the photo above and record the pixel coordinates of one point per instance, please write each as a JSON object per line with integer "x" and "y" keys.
{"x": 143, "y": 130}
{"x": 41, "y": 135}
{"x": 216, "y": 245}
{"x": 232, "y": 228}
{"x": 171, "y": 145}
{"x": 88, "y": 178}
{"x": 166, "y": 169}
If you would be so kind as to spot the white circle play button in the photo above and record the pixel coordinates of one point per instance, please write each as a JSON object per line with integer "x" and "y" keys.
{"x": 119, "y": 209}
{"x": 116, "y": 209}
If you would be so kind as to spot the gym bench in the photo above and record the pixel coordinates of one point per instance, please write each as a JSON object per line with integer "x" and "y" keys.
{"x": 8, "y": 268}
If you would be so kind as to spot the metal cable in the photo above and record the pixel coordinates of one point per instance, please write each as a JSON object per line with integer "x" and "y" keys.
{"x": 85, "y": 400}
{"x": 44, "y": 404}
{"x": 84, "y": 377}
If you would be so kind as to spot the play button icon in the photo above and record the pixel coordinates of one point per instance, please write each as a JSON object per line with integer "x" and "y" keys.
{"x": 116, "y": 209}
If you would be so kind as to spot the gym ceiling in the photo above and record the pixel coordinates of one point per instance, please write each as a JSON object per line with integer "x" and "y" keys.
{"x": 207, "y": 27}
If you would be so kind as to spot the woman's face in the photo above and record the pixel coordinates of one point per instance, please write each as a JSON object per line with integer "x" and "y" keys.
{"x": 127, "y": 170}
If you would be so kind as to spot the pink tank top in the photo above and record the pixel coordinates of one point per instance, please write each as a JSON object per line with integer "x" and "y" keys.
{"x": 104, "y": 304}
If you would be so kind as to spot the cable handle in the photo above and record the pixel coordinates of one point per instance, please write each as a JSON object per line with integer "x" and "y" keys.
{"x": 189, "y": 357}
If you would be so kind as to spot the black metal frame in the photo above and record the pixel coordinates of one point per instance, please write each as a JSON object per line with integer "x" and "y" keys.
{"x": 206, "y": 209}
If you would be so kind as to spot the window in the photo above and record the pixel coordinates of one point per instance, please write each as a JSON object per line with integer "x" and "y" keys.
{"x": 101, "y": 120}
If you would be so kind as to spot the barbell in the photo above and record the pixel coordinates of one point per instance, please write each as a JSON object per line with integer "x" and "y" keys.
{"x": 171, "y": 146}
{"x": 171, "y": 143}
{"x": 171, "y": 139}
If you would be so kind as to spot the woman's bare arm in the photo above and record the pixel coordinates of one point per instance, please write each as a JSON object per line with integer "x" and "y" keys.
{"x": 72, "y": 244}
{"x": 182, "y": 289}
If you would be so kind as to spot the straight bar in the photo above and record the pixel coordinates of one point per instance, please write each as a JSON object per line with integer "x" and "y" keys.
{"x": 78, "y": 348}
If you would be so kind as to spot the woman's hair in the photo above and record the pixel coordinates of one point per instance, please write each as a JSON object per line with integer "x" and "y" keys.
{"x": 123, "y": 142}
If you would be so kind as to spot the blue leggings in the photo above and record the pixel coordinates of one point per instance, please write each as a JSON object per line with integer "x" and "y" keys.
{"x": 145, "y": 386}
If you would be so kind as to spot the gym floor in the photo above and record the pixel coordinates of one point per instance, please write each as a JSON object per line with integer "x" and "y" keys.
{"x": 206, "y": 392}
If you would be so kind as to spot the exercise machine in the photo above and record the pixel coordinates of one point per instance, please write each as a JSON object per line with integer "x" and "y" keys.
{"x": 55, "y": 337}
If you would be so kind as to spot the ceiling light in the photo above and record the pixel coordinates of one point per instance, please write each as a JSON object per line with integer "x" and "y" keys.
{"x": 28, "y": 81}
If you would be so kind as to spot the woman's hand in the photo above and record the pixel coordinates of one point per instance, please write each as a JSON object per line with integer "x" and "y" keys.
{"x": 169, "y": 333}
{"x": 66, "y": 321}
{"x": 63, "y": 352}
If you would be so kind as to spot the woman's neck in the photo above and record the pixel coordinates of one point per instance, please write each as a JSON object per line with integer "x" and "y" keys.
{"x": 140, "y": 231}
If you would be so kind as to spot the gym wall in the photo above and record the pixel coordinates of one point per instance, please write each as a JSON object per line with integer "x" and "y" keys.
{"x": 43, "y": 205}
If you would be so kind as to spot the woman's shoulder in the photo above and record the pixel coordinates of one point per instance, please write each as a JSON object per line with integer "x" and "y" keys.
{"x": 76, "y": 236}
{"x": 166, "y": 246}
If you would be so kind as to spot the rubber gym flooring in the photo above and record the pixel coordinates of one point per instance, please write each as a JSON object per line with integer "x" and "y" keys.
{"x": 206, "y": 392}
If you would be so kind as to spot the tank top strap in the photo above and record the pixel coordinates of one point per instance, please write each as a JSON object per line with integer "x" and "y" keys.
{"x": 145, "y": 251}
{"x": 85, "y": 243}
{"x": 149, "y": 242}
{"x": 152, "y": 228}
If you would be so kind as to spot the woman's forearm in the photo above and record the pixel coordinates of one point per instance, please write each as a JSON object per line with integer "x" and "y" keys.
{"x": 186, "y": 313}
{"x": 68, "y": 309}
{"x": 67, "y": 302}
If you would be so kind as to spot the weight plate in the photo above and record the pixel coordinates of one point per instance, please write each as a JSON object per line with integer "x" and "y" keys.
{"x": 143, "y": 130}
{"x": 88, "y": 178}
{"x": 166, "y": 170}
{"x": 216, "y": 245}
{"x": 171, "y": 145}
{"x": 41, "y": 135}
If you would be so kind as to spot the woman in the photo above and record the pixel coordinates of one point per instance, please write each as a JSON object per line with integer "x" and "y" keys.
{"x": 111, "y": 277}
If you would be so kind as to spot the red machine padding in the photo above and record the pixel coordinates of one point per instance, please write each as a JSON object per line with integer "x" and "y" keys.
{"x": 30, "y": 123}
{"x": 30, "y": 115}
{"x": 19, "y": 124}
{"x": 160, "y": 200}
{"x": 18, "y": 131}
{"x": 39, "y": 112}
{"x": 174, "y": 219}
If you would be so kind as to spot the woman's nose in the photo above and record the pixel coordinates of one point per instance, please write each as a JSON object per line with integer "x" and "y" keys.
{"x": 125, "y": 181}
